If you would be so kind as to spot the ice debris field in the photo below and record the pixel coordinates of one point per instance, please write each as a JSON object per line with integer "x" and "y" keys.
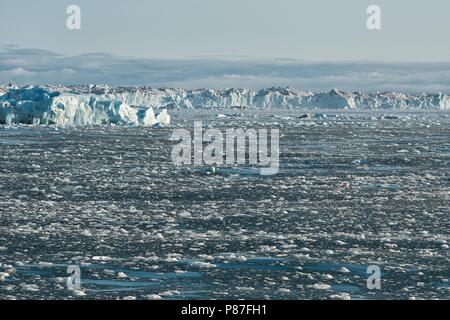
{"x": 364, "y": 183}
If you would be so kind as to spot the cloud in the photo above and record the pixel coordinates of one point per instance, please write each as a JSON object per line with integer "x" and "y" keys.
{"x": 36, "y": 66}
{"x": 16, "y": 72}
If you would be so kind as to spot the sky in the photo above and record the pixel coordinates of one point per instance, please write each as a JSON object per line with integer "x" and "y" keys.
{"x": 314, "y": 45}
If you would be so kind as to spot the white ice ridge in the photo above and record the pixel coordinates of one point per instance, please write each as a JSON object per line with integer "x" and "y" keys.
{"x": 94, "y": 104}
{"x": 275, "y": 97}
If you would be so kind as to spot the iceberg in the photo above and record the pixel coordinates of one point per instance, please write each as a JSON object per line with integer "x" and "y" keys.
{"x": 39, "y": 105}
{"x": 146, "y": 106}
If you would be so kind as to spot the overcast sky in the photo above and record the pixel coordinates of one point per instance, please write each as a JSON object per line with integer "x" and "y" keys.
{"x": 315, "y": 45}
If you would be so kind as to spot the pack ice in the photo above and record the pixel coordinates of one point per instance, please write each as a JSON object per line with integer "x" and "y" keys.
{"x": 95, "y": 104}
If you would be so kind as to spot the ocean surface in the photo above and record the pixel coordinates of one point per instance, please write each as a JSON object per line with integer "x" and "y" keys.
{"x": 354, "y": 189}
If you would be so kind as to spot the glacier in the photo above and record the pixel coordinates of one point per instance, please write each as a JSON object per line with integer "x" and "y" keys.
{"x": 147, "y": 106}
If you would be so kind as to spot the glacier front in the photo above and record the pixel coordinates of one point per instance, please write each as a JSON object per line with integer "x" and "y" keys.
{"x": 146, "y": 106}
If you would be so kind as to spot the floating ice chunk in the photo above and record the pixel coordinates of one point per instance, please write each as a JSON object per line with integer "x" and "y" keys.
{"x": 78, "y": 293}
{"x": 320, "y": 286}
{"x": 235, "y": 257}
{"x": 341, "y": 296}
{"x": 153, "y": 297}
{"x": 344, "y": 270}
{"x": 108, "y": 271}
{"x": 327, "y": 277}
{"x": 185, "y": 214}
{"x": 87, "y": 233}
{"x": 388, "y": 117}
{"x": 101, "y": 258}
{"x": 202, "y": 264}
{"x": 180, "y": 271}
{"x": 171, "y": 259}
{"x": 29, "y": 287}
{"x": 60, "y": 280}
{"x": 45, "y": 264}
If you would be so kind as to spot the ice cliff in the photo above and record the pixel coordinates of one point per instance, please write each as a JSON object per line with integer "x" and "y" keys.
{"x": 47, "y": 105}
{"x": 145, "y": 106}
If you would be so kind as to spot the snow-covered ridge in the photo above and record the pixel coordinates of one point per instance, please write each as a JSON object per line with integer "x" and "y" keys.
{"x": 91, "y": 105}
